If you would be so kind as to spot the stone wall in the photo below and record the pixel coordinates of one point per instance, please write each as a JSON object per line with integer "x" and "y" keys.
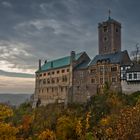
{"x": 129, "y": 88}
{"x": 53, "y": 85}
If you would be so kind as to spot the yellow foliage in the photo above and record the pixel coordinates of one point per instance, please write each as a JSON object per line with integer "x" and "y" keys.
{"x": 5, "y": 112}
{"x": 47, "y": 135}
{"x": 79, "y": 128}
{"x": 7, "y": 132}
{"x": 105, "y": 121}
{"x": 65, "y": 127}
{"x": 88, "y": 116}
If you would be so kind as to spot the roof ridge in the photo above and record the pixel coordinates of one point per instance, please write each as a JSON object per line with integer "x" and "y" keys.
{"x": 64, "y": 57}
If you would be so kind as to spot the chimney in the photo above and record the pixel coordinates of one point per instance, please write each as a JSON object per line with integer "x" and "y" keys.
{"x": 39, "y": 64}
{"x": 72, "y": 56}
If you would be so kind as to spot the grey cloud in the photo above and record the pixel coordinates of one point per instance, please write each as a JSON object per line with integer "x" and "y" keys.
{"x": 51, "y": 28}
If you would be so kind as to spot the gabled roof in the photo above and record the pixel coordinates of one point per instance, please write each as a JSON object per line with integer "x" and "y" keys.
{"x": 134, "y": 68}
{"x": 115, "y": 58}
{"x": 83, "y": 65}
{"x": 61, "y": 62}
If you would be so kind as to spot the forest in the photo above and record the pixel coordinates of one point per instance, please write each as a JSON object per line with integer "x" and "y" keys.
{"x": 107, "y": 116}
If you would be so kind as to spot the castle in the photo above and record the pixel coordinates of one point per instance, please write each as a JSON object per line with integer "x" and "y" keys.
{"x": 75, "y": 78}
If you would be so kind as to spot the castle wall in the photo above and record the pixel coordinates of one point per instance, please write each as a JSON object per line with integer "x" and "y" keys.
{"x": 82, "y": 91}
{"x": 129, "y": 88}
{"x": 52, "y": 86}
{"x": 104, "y": 72}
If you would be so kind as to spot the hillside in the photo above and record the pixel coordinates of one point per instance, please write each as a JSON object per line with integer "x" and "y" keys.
{"x": 14, "y": 99}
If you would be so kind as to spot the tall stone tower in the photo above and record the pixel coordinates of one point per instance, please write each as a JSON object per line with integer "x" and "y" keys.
{"x": 109, "y": 36}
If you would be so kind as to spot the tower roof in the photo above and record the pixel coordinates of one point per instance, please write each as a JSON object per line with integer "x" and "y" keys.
{"x": 109, "y": 20}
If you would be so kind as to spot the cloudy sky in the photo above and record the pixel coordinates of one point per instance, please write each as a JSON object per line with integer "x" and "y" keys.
{"x": 47, "y": 29}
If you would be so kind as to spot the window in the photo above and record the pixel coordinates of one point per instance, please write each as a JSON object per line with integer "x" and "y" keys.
{"x": 105, "y": 38}
{"x": 105, "y": 29}
{"x": 44, "y": 81}
{"x": 124, "y": 76}
{"x": 101, "y": 80}
{"x": 101, "y": 69}
{"x": 78, "y": 87}
{"x": 81, "y": 74}
{"x": 92, "y": 80}
{"x": 48, "y": 81}
{"x": 48, "y": 73}
{"x": 64, "y": 79}
{"x": 53, "y": 81}
{"x": 113, "y": 68}
{"x": 57, "y": 80}
{"x": 135, "y": 75}
{"x": 117, "y": 30}
{"x": 44, "y": 74}
{"x": 58, "y": 72}
{"x": 113, "y": 79}
{"x": 92, "y": 70}
{"x": 130, "y": 76}
{"x": 52, "y": 89}
{"x": 40, "y": 82}
{"x": 53, "y": 72}
{"x": 68, "y": 70}
{"x": 63, "y": 71}
{"x": 40, "y": 75}
{"x": 61, "y": 89}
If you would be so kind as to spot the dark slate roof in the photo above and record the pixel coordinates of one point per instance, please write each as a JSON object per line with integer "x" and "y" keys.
{"x": 134, "y": 68}
{"x": 109, "y": 20}
{"x": 61, "y": 62}
{"x": 83, "y": 65}
{"x": 115, "y": 58}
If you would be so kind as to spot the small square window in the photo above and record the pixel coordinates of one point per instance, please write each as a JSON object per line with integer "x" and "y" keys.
{"x": 63, "y": 71}
{"x": 92, "y": 80}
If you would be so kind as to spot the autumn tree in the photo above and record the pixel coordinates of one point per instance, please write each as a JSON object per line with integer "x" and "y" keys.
{"x": 65, "y": 128}
{"x": 6, "y": 129}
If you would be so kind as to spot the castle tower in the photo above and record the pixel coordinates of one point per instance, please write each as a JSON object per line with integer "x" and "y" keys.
{"x": 109, "y": 36}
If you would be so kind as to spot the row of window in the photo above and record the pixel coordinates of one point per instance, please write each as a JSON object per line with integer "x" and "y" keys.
{"x": 53, "y": 89}
{"x": 53, "y": 72}
{"x": 93, "y": 81}
{"x": 130, "y": 76}
{"x": 105, "y": 29}
{"x": 104, "y": 69}
{"x": 53, "y": 80}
